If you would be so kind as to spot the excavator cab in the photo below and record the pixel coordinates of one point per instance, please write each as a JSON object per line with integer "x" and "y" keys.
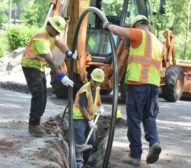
{"x": 94, "y": 49}
{"x": 93, "y": 44}
{"x": 97, "y": 41}
{"x": 121, "y": 13}
{"x": 117, "y": 12}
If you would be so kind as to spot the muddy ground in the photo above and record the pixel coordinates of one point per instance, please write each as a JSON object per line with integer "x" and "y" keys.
{"x": 18, "y": 149}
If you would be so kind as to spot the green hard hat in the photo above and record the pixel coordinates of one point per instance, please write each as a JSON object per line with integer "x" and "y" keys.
{"x": 97, "y": 75}
{"x": 58, "y": 23}
{"x": 139, "y": 18}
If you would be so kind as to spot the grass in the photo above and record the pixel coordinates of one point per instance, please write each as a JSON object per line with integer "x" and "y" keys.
{"x": 3, "y": 44}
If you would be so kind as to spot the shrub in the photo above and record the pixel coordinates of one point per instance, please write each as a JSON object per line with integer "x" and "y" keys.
{"x": 19, "y": 36}
{"x": 3, "y": 45}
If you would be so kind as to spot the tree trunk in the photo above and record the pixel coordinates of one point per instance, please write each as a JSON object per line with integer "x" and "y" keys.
{"x": 10, "y": 10}
{"x": 187, "y": 32}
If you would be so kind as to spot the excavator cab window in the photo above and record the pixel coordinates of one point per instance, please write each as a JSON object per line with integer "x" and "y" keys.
{"x": 97, "y": 42}
{"x": 118, "y": 12}
{"x": 139, "y": 7}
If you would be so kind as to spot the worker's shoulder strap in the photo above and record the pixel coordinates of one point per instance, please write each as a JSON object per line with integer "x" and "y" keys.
{"x": 41, "y": 35}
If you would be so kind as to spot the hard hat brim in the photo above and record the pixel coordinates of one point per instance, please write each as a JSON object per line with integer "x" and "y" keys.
{"x": 54, "y": 26}
{"x": 96, "y": 79}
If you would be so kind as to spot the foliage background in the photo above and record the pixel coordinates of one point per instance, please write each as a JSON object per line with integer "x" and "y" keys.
{"x": 175, "y": 19}
{"x": 33, "y": 12}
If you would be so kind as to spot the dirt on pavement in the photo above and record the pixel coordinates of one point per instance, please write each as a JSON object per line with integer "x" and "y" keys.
{"x": 18, "y": 149}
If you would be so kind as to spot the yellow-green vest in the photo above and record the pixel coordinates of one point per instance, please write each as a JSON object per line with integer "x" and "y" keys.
{"x": 30, "y": 57}
{"x": 91, "y": 105}
{"x": 144, "y": 61}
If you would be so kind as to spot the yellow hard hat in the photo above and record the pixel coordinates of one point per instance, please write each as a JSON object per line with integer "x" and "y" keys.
{"x": 58, "y": 23}
{"x": 97, "y": 75}
{"x": 139, "y": 18}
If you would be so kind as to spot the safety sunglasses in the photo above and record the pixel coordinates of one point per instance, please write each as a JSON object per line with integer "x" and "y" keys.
{"x": 96, "y": 83}
{"x": 57, "y": 33}
{"x": 142, "y": 22}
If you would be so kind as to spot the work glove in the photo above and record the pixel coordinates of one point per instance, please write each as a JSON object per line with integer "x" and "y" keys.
{"x": 101, "y": 109}
{"x": 74, "y": 56}
{"x": 91, "y": 124}
{"x": 67, "y": 82}
{"x": 69, "y": 54}
{"x": 105, "y": 25}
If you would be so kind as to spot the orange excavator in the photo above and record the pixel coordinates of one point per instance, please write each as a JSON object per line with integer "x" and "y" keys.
{"x": 94, "y": 49}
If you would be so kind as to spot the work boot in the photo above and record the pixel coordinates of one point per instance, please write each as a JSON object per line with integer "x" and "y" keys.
{"x": 79, "y": 164}
{"x": 36, "y": 130}
{"x": 132, "y": 161}
{"x": 154, "y": 153}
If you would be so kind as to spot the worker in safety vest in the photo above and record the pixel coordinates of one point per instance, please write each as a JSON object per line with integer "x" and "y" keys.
{"x": 37, "y": 54}
{"x": 143, "y": 80}
{"x": 86, "y": 101}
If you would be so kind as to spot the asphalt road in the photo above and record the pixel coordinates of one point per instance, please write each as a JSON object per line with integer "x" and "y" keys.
{"x": 174, "y": 127}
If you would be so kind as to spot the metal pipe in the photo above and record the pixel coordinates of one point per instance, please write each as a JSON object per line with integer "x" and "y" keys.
{"x": 115, "y": 89}
{"x": 48, "y": 14}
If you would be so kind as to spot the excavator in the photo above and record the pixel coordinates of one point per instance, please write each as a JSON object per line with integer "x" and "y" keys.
{"x": 94, "y": 49}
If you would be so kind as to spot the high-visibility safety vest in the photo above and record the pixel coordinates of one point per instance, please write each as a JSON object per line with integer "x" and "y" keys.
{"x": 144, "y": 61}
{"x": 31, "y": 58}
{"x": 91, "y": 105}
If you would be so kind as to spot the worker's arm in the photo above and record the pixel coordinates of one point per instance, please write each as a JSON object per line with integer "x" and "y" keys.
{"x": 43, "y": 50}
{"x": 121, "y": 31}
{"x": 85, "y": 113}
{"x": 64, "y": 48}
{"x": 101, "y": 109}
{"x": 54, "y": 67}
{"x": 83, "y": 102}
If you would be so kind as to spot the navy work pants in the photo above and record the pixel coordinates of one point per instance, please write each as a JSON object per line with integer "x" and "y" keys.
{"x": 81, "y": 130}
{"x": 142, "y": 106}
{"x": 36, "y": 81}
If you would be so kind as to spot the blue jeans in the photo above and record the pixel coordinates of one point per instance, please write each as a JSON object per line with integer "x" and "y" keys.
{"x": 142, "y": 106}
{"x": 36, "y": 81}
{"x": 81, "y": 130}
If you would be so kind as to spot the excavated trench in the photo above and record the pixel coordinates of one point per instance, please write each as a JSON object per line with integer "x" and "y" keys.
{"x": 57, "y": 149}
{"x": 97, "y": 153}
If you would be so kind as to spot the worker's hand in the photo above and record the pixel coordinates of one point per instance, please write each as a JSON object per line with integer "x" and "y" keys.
{"x": 105, "y": 25}
{"x": 101, "y": 109}
{"x": 67, "y": 82}
{"x": 74, "y": 56}
{"x": 68, "y": 53}
{"x": 91, "y": 124}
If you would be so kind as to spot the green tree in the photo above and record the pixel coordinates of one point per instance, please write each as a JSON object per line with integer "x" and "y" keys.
{"x": 175, "y": 19}
{"x": 4, "y": 9}
{"x": 35, "y": 13}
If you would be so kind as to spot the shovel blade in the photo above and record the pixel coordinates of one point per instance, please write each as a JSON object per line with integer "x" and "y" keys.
{"x": 83, "y": 147}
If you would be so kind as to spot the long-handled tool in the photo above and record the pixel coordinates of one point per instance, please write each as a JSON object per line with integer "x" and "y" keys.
{"x": 84, "y": 147}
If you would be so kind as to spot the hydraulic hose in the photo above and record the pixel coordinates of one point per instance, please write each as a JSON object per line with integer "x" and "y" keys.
{"x": 101, "y": 15}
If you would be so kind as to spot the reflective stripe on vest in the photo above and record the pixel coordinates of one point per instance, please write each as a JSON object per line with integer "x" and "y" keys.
{"x": 144, "y": 61}
{"x": 31, "y": 53}
{"x": 91, "y": 106}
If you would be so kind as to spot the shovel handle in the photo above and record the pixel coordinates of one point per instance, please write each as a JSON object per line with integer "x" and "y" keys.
{"x": 92, "y": 129}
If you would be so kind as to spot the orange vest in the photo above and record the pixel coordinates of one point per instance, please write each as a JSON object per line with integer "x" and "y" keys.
{"x": 144, "y": 61}
{"x": 30, "y": 57}
{"x": 91, "y": 105}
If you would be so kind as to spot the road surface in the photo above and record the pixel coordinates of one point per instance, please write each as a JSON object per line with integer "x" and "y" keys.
{"x": 19, "y": 150}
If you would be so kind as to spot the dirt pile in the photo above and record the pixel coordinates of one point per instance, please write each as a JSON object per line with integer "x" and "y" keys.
{"x": 11, "y": 71}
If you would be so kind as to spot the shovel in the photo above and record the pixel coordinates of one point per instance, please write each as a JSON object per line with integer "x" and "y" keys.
{"x": 84, "y": 147}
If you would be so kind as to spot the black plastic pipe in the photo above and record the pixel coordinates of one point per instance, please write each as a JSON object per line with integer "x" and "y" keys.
{"x": 115, "y": 90}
